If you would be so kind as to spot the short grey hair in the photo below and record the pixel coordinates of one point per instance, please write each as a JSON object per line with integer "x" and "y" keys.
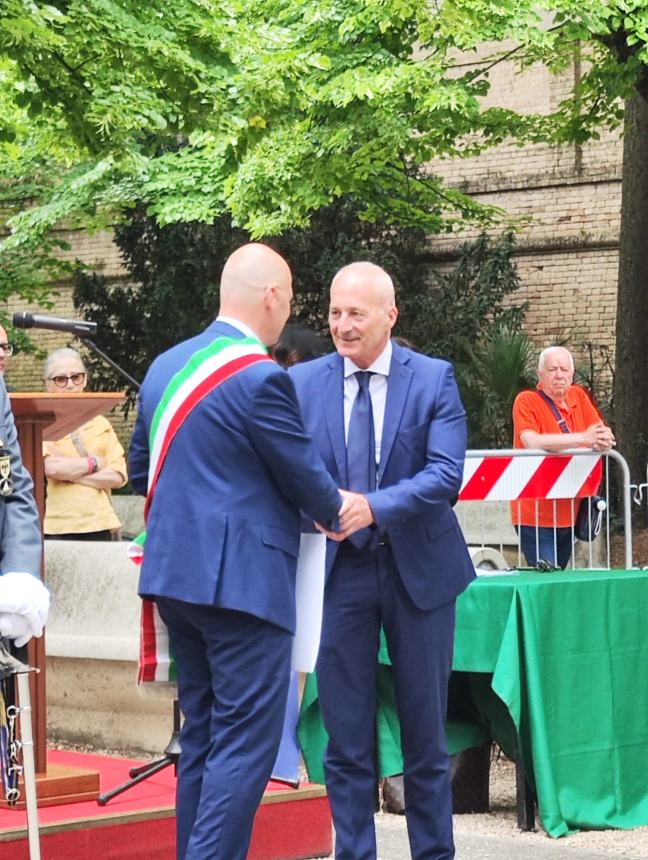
{"x": 64, "y": 352}
{"x": 542, "y": 358}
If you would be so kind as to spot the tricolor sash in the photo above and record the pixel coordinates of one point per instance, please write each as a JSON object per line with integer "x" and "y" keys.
{"x": 203, "y": 372}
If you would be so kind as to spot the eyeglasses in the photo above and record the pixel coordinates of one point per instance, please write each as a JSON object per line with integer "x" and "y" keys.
{"x": 62, "y": 381}
{"x": 7, "y": 348}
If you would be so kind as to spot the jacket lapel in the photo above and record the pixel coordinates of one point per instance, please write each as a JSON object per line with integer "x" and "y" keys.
{"x": 333, "y": 402}
{"x": 398, "y": 384}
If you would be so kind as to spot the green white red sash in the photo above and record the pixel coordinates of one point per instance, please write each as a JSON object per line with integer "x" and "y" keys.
{"x": 204, "y": 372}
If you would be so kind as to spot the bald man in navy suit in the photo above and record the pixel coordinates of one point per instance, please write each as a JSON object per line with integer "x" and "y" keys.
{"x": 403, "y": 567}
{"x": 221, "y": 551}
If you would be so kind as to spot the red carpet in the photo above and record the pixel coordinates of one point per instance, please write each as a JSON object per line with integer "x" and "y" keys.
{"x": 290, "y": 824}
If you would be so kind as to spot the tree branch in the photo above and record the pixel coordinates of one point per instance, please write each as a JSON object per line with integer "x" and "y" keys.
{"x": 72, "y": 72}
{"x": 500, "y": 58}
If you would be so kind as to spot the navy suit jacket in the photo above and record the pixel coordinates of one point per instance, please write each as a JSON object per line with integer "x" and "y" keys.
{"x": 420, "y": 470}
{"x": 20, "y": 532}
{"x": 223, "y": 527}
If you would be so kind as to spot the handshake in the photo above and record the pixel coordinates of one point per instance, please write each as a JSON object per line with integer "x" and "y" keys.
{"x": 24, "y": 606}
{"x": 354, "y": 514}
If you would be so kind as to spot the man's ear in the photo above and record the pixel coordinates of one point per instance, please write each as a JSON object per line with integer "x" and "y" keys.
{"x": 269, "y": 296}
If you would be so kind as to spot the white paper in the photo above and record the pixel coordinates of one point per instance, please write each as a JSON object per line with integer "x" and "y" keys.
{"x": 309, "y": 598}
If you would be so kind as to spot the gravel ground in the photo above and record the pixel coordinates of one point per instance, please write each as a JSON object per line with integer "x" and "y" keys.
{"x": 502, "y": 822}
{"x": 495, "y": 836}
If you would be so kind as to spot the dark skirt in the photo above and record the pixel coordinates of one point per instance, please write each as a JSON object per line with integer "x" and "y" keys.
{"x": 105, "y": 534}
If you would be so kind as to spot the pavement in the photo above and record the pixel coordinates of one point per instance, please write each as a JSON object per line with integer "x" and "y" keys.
{"x": 473, "y": 842}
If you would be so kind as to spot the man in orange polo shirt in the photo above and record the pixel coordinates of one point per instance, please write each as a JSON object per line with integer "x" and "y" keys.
{"x": 536, "y": 426}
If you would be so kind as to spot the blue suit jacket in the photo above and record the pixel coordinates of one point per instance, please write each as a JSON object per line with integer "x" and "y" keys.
{"x": 420, "y": 470}
{"x": 20, "y": 532}
{"x": 223, "y": 528}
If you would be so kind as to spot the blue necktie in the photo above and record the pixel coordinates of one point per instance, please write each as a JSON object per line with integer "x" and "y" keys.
{"x": 361, "y": 449}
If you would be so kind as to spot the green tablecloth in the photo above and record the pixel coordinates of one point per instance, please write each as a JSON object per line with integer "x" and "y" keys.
{"x": 558, "y": 670}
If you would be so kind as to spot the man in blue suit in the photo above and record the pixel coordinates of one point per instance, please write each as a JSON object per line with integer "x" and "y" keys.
{"x": 403, "y": 568}
{"x": 222, "y": 540}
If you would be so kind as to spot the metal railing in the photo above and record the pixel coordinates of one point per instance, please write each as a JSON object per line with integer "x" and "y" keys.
{"x": 509, "y": 475}
{"x": 638, "y": 490}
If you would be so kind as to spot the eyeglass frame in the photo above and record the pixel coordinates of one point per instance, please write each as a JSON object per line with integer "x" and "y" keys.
{"x": 7, "y": 348}
{"x": 67, "y": 378}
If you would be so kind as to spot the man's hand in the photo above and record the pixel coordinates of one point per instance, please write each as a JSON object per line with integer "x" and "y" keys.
{"x": 354, "y": 514}
{"x": 598, "y": 437}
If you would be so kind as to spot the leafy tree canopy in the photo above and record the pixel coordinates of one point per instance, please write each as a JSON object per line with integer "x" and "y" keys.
{"x": 272, "y": 110}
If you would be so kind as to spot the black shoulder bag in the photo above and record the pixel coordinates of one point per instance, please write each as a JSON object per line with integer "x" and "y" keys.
{"x": 589, "y": 517}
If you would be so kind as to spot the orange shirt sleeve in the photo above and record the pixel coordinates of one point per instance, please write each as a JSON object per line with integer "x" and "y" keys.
{"x": 527, "y": 415}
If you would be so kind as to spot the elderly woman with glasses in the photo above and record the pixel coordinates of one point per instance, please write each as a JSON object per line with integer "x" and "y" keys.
{"x": 83, "y": 467}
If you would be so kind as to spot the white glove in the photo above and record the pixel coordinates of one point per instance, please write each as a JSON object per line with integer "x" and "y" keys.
{"x": 15, "y": 627}
{"x": 24, "y": 606}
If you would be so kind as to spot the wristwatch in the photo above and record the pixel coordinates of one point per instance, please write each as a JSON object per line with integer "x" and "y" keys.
{"x": 93, "y": 464}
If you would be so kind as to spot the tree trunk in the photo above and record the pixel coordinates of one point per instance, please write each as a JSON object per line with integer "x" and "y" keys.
{"x": 631, "y": 365}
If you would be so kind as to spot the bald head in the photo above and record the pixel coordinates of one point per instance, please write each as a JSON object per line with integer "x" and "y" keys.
{"x": 362, "y": 312}
{"x": 371, "y": 277}
{"x": 256, "y": 289}
{"x": 249, "y": 270}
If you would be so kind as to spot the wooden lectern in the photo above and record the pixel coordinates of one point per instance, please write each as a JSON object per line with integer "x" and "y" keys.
{"x": 44, "y": 417}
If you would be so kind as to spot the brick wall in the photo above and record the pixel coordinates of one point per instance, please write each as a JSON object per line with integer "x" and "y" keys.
{"x": 25, "y": 372}
{"x": 565, "y": 203}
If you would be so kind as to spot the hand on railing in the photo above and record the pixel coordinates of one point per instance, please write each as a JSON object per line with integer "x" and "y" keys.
{"x": 598, "y": 437}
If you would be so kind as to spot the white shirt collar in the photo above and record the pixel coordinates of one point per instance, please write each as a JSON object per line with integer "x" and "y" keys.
{"x": 242, "y": 327}
{"x": 380, "y": 365}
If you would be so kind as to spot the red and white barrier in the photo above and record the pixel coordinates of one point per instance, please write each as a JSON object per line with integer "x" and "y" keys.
{"x": 506, "y": 478}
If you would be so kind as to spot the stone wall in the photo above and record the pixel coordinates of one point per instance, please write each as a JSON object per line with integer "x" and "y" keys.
{"x": 92, "y": 646}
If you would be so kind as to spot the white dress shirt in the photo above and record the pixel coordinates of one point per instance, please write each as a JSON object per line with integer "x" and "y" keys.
{"x": 242, "y": 327}
{"x": 377, "y": 390}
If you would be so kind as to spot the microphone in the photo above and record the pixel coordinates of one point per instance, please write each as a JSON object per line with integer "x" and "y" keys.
{"x": 80, "y": 328}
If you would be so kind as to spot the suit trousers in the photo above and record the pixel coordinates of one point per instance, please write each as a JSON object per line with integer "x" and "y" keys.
{"x": 363, "y": 592}
{"x": 233, "y": 672}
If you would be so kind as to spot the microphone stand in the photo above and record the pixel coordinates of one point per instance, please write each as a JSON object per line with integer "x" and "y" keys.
{"x": 139, "y": 774}
{"x": 93, "y": 346}
{"x": 77, "y": 328}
